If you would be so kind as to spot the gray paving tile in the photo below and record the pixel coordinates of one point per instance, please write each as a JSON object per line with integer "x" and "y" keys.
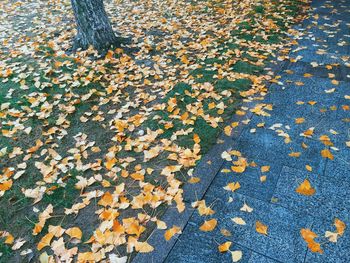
{"x": 330, "y": 199}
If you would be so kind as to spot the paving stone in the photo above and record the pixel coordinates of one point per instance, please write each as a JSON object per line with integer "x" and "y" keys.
{"x": 283, "y": 242}
{"x": 258, "y": 258}
{"x": 195, "y": 246}
{"x": 171, "y": 217}
{"x": 338, "y": 252}
{"x": 267, "y": 145}
{"x": 330, "y": 199}
{"x": 250, "y": 182}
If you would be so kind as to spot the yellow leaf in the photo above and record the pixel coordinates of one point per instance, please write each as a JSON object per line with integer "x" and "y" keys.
{"x": 265, "y": 168}
{"x": 9, "y": 239}
{"x": 238, "y": 169}
{"x": 228, "y": 130}
{"x": 327, "y": 154}
{"x": 232, "y": 186}
{"x": 110, "y": 163}
{"x": 106, "y": 199}
{"x": 308, "y": 167}
{"x": 45, "y": 241}
{"x": 224, "y": 247}
{"x": 196, "y": 138}
{"x": 171, "y": 232}
{"x": 305, "y": 188}
{"x": 208, "y": 225}
{"x": 194, "y": 180}
{"x": 295, "y": 154}
{"x": 299, "y": 120}
{"x": 340, "y": 225}
{"x": 74, "y": 232}
{"x": 309, "y": 237}
{"x": 143, "y": 247}
{"x": 260, "y": 228}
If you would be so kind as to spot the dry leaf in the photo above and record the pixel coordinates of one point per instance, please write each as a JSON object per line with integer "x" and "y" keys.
{"x": 261, "y": 228}
{"x": 224, "y": 247}
{"x": 208, "y": 225}
{"x": 305, "y": 188}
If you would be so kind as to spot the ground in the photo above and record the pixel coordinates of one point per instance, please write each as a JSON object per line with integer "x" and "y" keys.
{"x": 105, "y": 157}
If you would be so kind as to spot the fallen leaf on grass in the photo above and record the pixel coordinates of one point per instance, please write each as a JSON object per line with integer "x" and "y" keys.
{"x": 45, "y": 241}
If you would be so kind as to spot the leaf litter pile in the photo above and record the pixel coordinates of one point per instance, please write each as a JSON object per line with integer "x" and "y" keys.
{"x": 93, "y": 151}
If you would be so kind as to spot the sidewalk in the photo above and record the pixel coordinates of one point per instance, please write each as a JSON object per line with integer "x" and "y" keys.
{"x": 310, "y": 100}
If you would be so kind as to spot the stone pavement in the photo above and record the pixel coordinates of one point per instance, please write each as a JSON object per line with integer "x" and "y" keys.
{"x": 312, "y": 96}
{"x": 323, "y": 50}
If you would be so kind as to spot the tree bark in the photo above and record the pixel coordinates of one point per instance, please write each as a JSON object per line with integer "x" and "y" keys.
{"x": 93, "y": 26}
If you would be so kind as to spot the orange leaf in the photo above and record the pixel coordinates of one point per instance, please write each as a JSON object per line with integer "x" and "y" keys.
{"x": 261, "y": 228}
{"x": 208, "y": 225}
{"x": 45, "y": 241}
{"x": 106, "y": 199}
{"x": 309, "y": 237}
{"x": 224, "y": 247}
{"x": 232, "y": 186}
{"x": 74, "y": 232}
{"x": 340, "y": 225}
{"x": 305, "y": 188}
{"x": 171, "y": 232}
{"x": 327, "y": 154}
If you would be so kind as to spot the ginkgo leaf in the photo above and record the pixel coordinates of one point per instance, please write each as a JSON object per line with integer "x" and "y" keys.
{"x": 226, "y": 156}
{"x": 45, "y": 241}
{"x": 332, "y": 237}
{"x": 265, "y": 168}
{"x": 232, "y": 186}
{"x": 261, "y": 228}
{"x": 224, "y": 247}
{"x": 74, "y": 232}
{"x": 194, "y": 180}
{"x": 305, "y": 188}
{"x": 246, "y": 208}
{"x": 308, "y": 167}
{"x": 236, "y": 255}
{"x": 143, "y": 247}
{"x": 209, "y": 225}
{"x": 340, "y": 225}
{"x": 327, "y": 154}
{"x": 309, "y": 238}
{"x": 238, "y": 221}
{"x": 171, "y": 232}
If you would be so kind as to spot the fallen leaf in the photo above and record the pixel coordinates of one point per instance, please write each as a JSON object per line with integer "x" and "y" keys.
{"x": 236, "y": 255}
{"x": 261, "y": 228}
{"x": 238, "y": 221}
{"x": 305, "y": 188}
{"x": 208, "y": 225}
{"x": 224, "y": 247}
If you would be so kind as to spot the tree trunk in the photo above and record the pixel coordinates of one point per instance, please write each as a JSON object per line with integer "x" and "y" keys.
{"x": 93, "y": 26}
